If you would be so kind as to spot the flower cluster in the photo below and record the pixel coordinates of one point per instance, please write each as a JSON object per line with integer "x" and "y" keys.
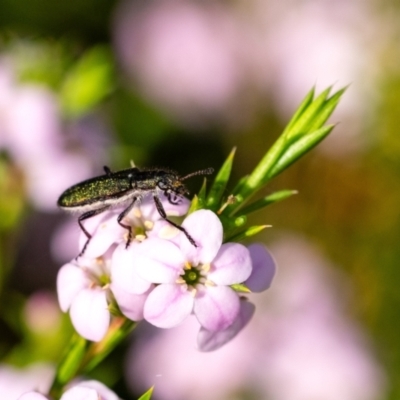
{"x": 162, "y": 277}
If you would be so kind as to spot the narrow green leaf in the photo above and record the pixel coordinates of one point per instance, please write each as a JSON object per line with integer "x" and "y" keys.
{"x": 306, "y": 121}
{"x": 328, "y": 108}
{"x": 247, "y": 233}
{"x": 303, "y": 106}
{"x": 147, "y": 395}
{"x": 240, "y": 184}
{"x": 69, "y": 365}
{"x": 266, "y": 201}
{"x": 232, "y": 224}
{"x": 298, "y": 149}
{"x": 194, "y": 205}
{"x": 240, "y": 288}
{"x": 203, "y": 192}
{"x": 220, "y": 182}
{"x": 304, "y": 131}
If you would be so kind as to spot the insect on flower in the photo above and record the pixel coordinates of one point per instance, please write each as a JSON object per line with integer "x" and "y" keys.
{"x": 126, "y": 187}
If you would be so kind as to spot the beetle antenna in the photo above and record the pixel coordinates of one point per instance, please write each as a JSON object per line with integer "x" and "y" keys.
{"x": 207, "y": 171}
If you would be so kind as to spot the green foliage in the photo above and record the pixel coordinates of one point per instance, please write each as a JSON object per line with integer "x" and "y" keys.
{"x": 88, "y": 82}
{"x": 218, "y": 187}
{"x": 304, "y": 132}
{"x": 147, "y": 395}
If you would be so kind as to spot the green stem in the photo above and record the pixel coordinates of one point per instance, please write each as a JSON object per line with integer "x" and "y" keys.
{"x": 81, "y": 356}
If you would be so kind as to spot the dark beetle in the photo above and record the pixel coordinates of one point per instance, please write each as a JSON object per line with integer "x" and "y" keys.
{"x": 125, "y": 187}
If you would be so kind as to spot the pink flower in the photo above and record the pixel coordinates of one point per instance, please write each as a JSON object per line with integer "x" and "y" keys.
{"x": 193, "y": 279}
{"x": 15, "y": 381}
{"x": 263, "y": 271}
{"x": 88, "y": 390}
{"x": 183, "y": 55}
{"x": 82, "y": 288}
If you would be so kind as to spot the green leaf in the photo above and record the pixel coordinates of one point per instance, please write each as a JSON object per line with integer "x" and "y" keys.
{"x": 303, "y": 132}
{"x": 266, "y": 201}
{"x": 299, "y": 148}
{"x": 203, "y": 192}
{"x": 240, "y": 287}
{"x": 247, "y": 233}
{"x": 147, "y": 395}
{"x": 70, "y": 364}
{"x": 232, "y": 224}
{"x": 89, "y": 81}
{"x": 118, "y": 331}
{"x": 218, "y": 187}
{"x": 306, "y": 121}
{"x": 194, "y": 205}
{"x": 302, "y": 107}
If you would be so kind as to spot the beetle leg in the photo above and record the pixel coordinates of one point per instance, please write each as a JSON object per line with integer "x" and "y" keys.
{"x": 107, "y": 170}
{"x": 163, "y": 214}
{"x": 87, "y": 215}
{"x": 127, "y": 227}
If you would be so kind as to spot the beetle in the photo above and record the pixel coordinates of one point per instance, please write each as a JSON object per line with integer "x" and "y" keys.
{"x": 125, "y": 187}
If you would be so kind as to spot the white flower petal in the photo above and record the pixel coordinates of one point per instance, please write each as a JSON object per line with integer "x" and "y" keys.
{"x": 216, "y": 307}
{"x": 90, "y": 315}
{"x": 81, "y": 393}
{"x": 123, "y": 272}
{"x": 130, "y": 304}
{"x": 231, "y": 265}
{"x": 70, "y": 281}
{"x": 210, "y": 341}
{"x": 206, "y": 229}
{"x": 89, "y": 390}
{"x": 158, "y": 261}
{"x": 168, "y": 305}
{"x": 32, "y": 396}
{"x": 264, "y": 268}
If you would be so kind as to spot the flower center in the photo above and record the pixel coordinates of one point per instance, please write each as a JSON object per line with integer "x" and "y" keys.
{"x": 191, "y": 276}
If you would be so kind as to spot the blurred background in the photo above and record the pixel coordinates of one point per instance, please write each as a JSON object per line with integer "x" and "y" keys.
{"x": 178, "y": 84}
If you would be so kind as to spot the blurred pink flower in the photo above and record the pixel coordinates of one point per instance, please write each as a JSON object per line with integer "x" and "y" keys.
{"x": 30, "y": 131}
{"x": 41, "y": 312}
{"x": 14, "y": 381}
{"x": 182, "y": 55}
{"x": 298, "y": 346}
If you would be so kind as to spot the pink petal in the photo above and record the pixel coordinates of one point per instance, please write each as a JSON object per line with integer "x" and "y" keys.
{"x": 81, "y": 393}
{"x": 32, "y": 396}
{"x": 231, "y": 265}
{"x": 70, "y": 281}
{"x": 158, "y": 260}
{"x": 264, "y": 268}
{"x": 123, "y": 272}
{"x": 206, "y": 229}
{"x": 107, "y": 232}
{"x": 87, "y": 388}
{"x": 210, "y": 341}
{"x": 90, "y": 315}
{"x": 216, "y": 307}
{"x": 168, "y": 305}
{"x": 164, "y": 230}
{"x": 130, "y": 304}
